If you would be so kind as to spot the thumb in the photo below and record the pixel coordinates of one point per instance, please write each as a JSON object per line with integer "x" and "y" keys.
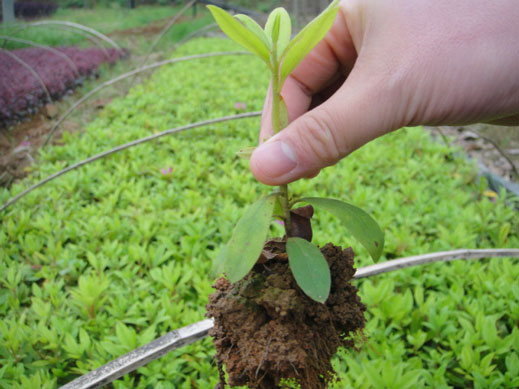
{"x": 362, "y": 109}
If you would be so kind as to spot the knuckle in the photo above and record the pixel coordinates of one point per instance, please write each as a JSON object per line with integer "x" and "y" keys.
{"x": 319, "y": 138}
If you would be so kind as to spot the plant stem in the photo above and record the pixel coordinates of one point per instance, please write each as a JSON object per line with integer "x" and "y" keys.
{"x": 277, "y": 126}
{"x": 286, "y": 209}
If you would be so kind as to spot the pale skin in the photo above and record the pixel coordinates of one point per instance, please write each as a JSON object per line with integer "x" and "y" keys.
{"x": 386, "y": 64}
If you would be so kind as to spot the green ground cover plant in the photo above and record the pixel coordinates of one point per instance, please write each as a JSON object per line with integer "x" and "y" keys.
{"x": 119, "y": 252}
{"x": 107, "y": 20}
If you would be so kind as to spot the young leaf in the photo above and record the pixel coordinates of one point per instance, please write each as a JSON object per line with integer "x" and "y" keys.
{"x": 273, "y": 29}
{"x": 309, "y": 268}
{"x": 307, "y": 38}
{"x": 238, "y": 33}
{"x": 218, "y": 262}
{"x": 255, "y": 28}
{"x": 361, "y": 225}
{"x": 246, "y": 152}
{"x": 279, "y": 28}
{"x": 248, "y": 237}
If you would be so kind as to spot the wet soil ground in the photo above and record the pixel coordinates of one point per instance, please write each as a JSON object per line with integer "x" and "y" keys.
{"x": 19, "y": 145}
{"x": 267, "y": 331}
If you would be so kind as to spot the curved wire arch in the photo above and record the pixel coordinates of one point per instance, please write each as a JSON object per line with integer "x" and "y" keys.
{"x": 129, "y": 74}
{"x": 92, "y": 38}
{"x": 49, "y": 48}
{"x": 125, "y": 146}
{"x": 79, "y": 27}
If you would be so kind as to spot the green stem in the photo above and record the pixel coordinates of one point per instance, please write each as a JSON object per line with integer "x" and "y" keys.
{"x": 277, "y": 126}
{"x": 286, "y": 209}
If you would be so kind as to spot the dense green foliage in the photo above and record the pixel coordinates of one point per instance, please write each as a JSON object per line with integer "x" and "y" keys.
{"x": 262, "y": 6}
{"x": 107, "y": 20}
{"x": 119, "y": 252}
{"x": 112, "y": 3}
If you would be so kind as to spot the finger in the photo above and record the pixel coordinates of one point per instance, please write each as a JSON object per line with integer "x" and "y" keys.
{"x": 361, "y": 110}
{"x": 296, "y": 100}
{"x": 506, "y": 121}
{"x": 266, "y": 117}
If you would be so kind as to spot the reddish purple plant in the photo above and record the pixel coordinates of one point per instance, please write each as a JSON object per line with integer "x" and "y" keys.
{"x": 167, "y": 172}
{"x": 240, "y": 106}
{"x": 21, "y": 93}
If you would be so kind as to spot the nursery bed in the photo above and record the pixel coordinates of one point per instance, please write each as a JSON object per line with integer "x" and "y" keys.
{"x": 33, "y": 77}
{"x": 117, "y": 253}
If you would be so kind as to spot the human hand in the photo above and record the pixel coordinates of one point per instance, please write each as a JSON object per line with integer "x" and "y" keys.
{"x": 388, "y": 64}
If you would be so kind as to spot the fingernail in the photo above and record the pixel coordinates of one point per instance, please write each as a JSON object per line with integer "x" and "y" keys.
{"x": 275, "y": 158}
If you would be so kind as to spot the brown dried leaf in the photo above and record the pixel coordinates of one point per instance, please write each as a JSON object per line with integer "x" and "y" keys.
{"x": 273, "y": 249}
{"x": 300, "y": 223}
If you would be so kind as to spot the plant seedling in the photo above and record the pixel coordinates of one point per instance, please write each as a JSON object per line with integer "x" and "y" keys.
{"x": 281, "y": 55}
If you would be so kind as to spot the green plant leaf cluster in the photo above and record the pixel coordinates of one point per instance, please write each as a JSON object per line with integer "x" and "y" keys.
{"x": 307, "y": 263}
{"x": 152, "y": 237}
{"x": 240, "y": 34}
{"x": 307, "y": 39}
{"x": 273, "y": 44}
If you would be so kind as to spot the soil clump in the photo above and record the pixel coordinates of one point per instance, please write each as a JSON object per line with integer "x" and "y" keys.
{"x": 267, "y": 331}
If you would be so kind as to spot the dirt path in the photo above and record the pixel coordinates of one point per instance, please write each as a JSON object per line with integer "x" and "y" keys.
{"x": 19, "y": 146}
{"x": 496, "y": 147}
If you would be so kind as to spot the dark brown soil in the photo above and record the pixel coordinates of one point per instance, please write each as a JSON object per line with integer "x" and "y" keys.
{"x": 266, "y": 330}
{"x": 19, "y": 145}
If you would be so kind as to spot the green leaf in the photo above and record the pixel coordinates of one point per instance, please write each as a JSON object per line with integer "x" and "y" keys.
{"x": 248, "y": 237}
{"x": 246, "y": 152}
{"x": 306, "y": 40}
{"x": 512, "y": 364}
{"x": 238, "y": 33}
{"x": 218, "y": 262}
{"x": 309, "y": 268}
{"x": 279, "y": 28}
{"x": 255, "y": 28}
{"x": 361, "y": 225}
{"x": 489, "y": 332}
{"x": 466, "y": 357}
{"x": 84, "y": 339}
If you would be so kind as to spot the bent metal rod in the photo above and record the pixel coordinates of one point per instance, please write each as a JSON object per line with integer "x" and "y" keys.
{"x": 199, "y": 330}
